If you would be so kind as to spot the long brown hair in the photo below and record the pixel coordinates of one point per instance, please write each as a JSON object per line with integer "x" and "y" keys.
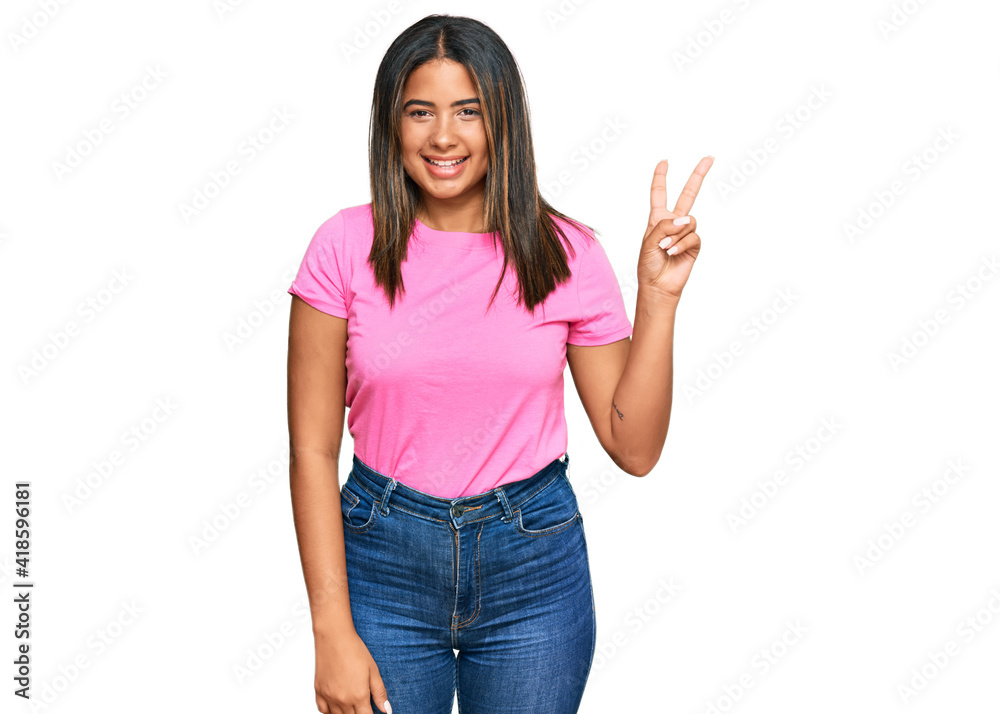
{"x": 513, "y": 206}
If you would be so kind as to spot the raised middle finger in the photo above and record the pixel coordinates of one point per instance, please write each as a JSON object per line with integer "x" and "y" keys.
{"x": 693, "y": 185}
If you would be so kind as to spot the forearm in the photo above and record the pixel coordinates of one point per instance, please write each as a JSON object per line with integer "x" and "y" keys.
{"x": 320, "y": 534}
{"x": 640, "y": 410}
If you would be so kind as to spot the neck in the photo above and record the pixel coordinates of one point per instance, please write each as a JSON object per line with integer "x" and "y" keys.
{"x": 463, "y": 214}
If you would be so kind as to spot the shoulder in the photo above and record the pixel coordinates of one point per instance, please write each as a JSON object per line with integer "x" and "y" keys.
{"x": 351, "y": 220}
{"x": 358, "y": 217}
{"x": 348, "y": 227}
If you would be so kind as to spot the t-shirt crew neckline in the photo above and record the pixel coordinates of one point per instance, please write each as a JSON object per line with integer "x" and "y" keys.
{"x": 454, "y": 239}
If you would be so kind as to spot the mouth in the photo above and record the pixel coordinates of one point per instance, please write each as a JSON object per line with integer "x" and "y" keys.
{"x": 444, "y": 163}
{"x": 441, "y": 167}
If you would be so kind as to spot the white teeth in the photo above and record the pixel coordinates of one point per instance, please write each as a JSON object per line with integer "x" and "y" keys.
{"x": 448, "y": 163}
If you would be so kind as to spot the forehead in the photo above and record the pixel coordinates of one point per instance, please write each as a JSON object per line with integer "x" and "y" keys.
{"x": 441, "y": 78}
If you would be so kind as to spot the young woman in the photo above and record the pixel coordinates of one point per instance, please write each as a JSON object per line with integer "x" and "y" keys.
{"x": 443, "y": 314}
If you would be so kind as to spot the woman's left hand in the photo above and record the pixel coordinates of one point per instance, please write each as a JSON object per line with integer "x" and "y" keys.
{"x": 665, "y": 270}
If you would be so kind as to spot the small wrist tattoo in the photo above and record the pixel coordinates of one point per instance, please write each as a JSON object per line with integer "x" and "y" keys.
{"x": 620, "y": 416}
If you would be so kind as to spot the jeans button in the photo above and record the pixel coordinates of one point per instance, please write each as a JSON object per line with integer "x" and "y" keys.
{"x": 458, "y": 510}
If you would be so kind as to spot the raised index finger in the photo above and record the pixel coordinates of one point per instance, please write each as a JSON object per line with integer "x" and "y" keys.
{"x": 658, "y": 191}
{"x": 693, "y": 185}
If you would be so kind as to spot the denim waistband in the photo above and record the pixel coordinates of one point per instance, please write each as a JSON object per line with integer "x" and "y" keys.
{"x": 500, "y": 501}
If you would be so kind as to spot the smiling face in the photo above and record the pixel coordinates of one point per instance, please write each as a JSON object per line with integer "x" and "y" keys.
{"x": 442, "y": 123}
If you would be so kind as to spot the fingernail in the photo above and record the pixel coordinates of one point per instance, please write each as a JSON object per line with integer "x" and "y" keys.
{"x": 388, "y": 707}
{"x": 672, "y": 250}
{"x": 682, "y": 221}
{"x": 664, "y": 243}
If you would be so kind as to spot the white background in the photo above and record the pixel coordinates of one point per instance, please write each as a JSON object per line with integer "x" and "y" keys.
{"x": 685, "y": 80}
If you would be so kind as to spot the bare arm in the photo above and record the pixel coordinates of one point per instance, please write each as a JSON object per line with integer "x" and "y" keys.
{"x": 626, "y": 387}
{"x": 640, "y": 407}
{"x": 346, "y": 674}
{"x": 317, "y": 384}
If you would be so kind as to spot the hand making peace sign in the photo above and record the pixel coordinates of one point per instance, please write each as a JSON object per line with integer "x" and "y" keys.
{"x": 668, "y": 251}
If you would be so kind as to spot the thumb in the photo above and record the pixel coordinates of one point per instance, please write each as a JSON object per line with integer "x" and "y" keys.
{"x": 378, "y": 692}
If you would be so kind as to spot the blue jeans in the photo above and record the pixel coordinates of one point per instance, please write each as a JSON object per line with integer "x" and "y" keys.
{"x": 503, "y": 577}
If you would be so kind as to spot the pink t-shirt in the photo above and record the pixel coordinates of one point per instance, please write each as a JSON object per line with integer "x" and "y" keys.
{"x": 445, "y": 397}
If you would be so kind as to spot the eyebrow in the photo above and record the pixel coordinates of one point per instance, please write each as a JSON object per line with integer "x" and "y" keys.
{"x": 424, "y": 103}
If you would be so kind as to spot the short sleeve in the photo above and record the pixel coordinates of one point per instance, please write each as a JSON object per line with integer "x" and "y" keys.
{"x": 320, "y": 280}
{"x": 603, "y": 319}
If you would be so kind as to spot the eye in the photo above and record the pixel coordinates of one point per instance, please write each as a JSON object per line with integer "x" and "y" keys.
{"x": 421, "y": 111}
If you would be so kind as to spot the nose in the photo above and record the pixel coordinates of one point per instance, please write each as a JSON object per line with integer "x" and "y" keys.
{"x": 443, "y": 133}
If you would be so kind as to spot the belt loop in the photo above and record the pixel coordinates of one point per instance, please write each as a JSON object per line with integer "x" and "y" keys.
{"x": 383, "y": 504}
{"x": 508, "y": 513}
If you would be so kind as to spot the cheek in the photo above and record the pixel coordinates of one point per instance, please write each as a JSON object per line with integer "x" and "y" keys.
{"x": 477, "y": 143}
{"x": 409, "y": 139}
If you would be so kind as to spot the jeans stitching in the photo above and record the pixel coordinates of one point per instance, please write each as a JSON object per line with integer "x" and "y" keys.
{"x": 346, "y": 519}
{"x": 552, "y": 530}
{"x": 402, "y": 508}
{"x": 353, "y": 496}
{"x": 368, "y": 525}
{"x": 593, "y": 600}
{"x": 525, "y": 499}
{"x": 456, "y": 572}
{"x": 535, "y": 492}
{"x": 514, "y": 506}
{"x": 479, "y": 598}
{"x": 354, "y": 500}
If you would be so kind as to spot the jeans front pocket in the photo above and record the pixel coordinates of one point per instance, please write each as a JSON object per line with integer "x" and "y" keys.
{"x": 550, "y": 511}
{"x": 359, "y": 509}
